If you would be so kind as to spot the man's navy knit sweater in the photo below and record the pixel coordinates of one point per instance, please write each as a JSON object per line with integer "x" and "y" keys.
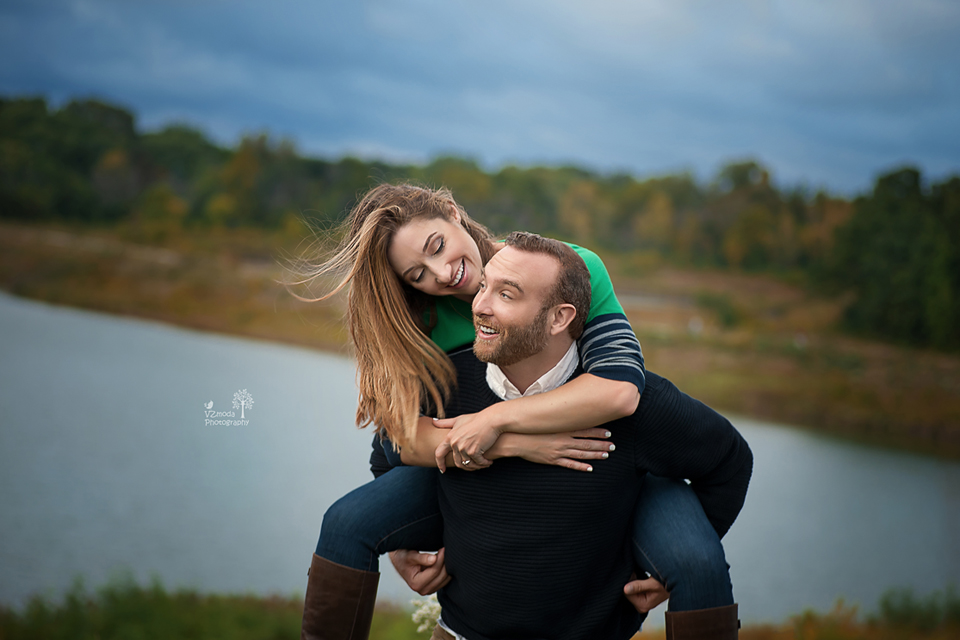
{"x": 540, "y": 551}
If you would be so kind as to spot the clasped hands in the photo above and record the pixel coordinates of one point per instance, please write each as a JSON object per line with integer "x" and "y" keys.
{"x": 473, "y": 437}
{"x": 426, "y": 573}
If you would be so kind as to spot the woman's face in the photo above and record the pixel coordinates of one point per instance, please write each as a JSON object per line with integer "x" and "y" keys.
{"x": 437, "y": 256}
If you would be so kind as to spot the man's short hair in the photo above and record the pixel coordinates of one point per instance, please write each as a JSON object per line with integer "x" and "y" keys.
{"x": 573, "y": 281}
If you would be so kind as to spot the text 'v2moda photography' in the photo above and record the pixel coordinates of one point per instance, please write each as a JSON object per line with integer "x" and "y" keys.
{"x": 242, "y": 401}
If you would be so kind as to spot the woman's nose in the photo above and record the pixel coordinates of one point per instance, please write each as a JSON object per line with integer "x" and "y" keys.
{"x": 442, "y": 273}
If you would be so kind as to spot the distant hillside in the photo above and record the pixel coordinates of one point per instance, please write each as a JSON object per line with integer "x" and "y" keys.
{"x": 897, "y": 249}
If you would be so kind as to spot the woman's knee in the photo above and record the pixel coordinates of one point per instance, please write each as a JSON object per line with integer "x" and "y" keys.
{"x": 400, "y": 507}
{"x": 702, "y": 561}
{"x": 343, "y": 517}
{"x": 348, "y": 529}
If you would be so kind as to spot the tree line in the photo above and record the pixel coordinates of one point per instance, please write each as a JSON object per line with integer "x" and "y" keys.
{"x": 897, "y": 248}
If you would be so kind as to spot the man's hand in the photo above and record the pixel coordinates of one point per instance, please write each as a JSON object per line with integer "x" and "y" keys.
{"x": 425, "y": 573}
{"x": 644, "y": 595}
{"x": 471, "y": 435}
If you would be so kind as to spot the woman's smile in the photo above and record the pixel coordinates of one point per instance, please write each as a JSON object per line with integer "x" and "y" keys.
{"x": 436, "y": 256}
{"x": 457, "y": 279}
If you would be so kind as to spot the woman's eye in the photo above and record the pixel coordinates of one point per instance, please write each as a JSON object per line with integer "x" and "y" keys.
{"x": 439, "y": 247}
{"x": 418, "y": 278}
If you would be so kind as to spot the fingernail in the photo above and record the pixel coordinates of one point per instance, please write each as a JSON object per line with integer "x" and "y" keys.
{"x": 607, "y": 434}
{"x": 605, "y": 455}
{"x": 613, "y": 447}
{"x": 589, "y": 468}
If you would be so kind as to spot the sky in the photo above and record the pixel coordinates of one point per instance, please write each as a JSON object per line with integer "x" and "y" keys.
{"x": 826, "y": 93}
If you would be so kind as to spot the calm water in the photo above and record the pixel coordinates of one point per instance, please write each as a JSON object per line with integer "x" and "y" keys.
{"x": 106, "y": 464}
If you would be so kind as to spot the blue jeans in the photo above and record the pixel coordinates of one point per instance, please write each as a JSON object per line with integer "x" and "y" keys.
{"x": 672, "y": 539}
{"x": 675, "y": 543}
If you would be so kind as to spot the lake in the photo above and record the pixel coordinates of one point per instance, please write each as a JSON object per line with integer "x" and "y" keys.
{"x": 118, "y": 453}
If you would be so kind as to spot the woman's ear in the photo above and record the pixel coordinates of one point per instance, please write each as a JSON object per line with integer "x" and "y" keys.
{"x": 563, "y": 315}
{"x": 454, "y": 212}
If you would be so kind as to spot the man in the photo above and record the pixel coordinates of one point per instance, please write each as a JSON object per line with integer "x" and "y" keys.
{"x": 538, "y": 551}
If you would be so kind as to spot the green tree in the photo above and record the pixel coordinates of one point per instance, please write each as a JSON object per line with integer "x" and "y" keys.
{"x": 181, "y": 153}
{"x": 899, "y": 254}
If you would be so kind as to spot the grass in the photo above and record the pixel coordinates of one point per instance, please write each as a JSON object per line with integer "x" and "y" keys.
{"x": 745, "y": 344}
{"x": 901, "y": 616}
{"x": 123, "y": 610}
{"x": 760, "y": 347}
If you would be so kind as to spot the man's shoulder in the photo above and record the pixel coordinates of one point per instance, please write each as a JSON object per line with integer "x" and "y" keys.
{"x": 657, "y": 392}
{"x": 655, "y": 382}
{"x": 662, "y": 402}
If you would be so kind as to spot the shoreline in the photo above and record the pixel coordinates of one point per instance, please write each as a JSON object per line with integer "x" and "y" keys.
{"x": 779, "y": 360}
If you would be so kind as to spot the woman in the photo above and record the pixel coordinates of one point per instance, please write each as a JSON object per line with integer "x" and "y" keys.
{"x": 413, "y": 258}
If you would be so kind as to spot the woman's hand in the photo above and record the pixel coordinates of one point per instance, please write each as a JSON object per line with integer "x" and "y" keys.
{"x": 471, "y": 436}
{"x": 568, "y": 450}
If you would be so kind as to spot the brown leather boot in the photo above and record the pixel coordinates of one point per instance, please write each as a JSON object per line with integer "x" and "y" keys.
{"x": 339, "y": 602}
{"x": 719, "y": 623}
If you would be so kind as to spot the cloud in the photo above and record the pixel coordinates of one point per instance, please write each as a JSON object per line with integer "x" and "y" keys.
{"x": 828, "y": 93}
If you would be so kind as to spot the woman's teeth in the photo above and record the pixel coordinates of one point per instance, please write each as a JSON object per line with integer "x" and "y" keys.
{"x": 459, "y": 276}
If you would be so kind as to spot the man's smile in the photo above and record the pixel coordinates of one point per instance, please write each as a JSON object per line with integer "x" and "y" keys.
{"x": 485, "y": 332}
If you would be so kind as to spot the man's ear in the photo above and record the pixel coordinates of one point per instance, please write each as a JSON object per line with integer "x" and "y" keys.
{"x": 562, "y": 316}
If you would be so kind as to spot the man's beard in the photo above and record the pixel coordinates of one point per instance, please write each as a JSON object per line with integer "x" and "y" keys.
{"x": 515, "y": 343}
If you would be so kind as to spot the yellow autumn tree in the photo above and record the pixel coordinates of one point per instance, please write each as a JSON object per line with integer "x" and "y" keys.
{"x": 584, "y": 214}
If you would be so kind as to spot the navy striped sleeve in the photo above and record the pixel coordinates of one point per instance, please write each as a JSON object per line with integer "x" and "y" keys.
{"x": 609, "y": 349}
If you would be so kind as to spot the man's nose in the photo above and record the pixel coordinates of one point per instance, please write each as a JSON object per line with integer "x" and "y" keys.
{"x": 480, "y": 304}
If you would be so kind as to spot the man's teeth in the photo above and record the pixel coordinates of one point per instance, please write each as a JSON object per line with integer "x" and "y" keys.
{"x": 487, "y": 330}
{"x": 456, "y": 280}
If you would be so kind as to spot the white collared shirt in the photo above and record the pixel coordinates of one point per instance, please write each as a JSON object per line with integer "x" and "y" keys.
{"x": 444, "y": 626}
{"x": 549, "y": 381}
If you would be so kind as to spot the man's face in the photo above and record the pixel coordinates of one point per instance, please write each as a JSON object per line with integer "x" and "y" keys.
{"x": 508, "y": 313}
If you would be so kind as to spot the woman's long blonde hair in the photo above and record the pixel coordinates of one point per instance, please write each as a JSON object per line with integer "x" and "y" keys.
{"x": 399, "y": 369}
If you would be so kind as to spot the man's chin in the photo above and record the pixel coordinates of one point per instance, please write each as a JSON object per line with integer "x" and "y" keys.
{"x": 497, "y": 355}
{"x": 484, "y": 352}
